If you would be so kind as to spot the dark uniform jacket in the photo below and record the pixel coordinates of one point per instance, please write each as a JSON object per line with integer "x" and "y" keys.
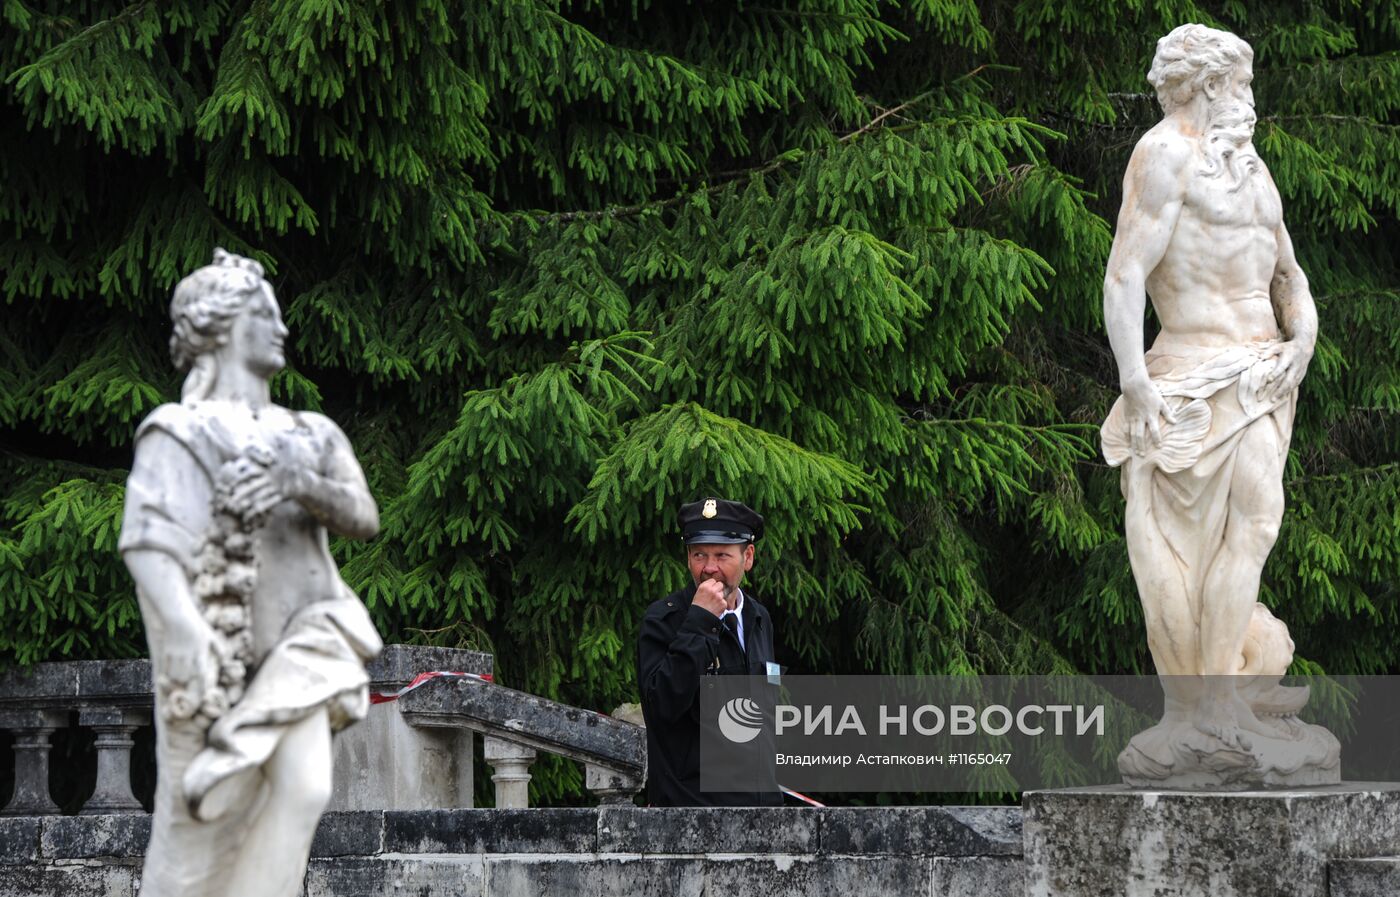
{"x": 678, "y": 647}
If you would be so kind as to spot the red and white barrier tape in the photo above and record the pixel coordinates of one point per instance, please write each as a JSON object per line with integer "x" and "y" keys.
{"x": 802, "y": 797}
{"x": 421, "y": 678}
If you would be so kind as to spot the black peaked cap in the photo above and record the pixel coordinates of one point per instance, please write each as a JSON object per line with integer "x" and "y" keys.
{"x": 718, "y": 521}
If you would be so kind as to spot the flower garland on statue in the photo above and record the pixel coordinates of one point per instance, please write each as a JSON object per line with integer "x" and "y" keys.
{"x": 223, "y": 590}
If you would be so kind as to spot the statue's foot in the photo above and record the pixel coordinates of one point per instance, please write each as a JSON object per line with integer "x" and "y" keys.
{"x": 1289, "y": 728}
{"x": 1269, "y": 726}
{"x": 1272, "y": 699}
{"x": 1221, "y": 721}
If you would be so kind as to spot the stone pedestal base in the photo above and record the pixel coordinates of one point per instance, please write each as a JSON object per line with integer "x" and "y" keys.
{"x": 1116, "y": 842}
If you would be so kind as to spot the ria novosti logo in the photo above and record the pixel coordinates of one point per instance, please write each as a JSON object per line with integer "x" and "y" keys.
{"x": 740, "y": 720}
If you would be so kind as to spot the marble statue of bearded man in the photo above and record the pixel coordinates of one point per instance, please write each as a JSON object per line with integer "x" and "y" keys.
{"x": 1203, "y": 425}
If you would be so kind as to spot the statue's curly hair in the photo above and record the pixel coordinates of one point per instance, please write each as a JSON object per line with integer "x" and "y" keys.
{"x": 202, "y": 312}
{"x": 1188, "y": 57}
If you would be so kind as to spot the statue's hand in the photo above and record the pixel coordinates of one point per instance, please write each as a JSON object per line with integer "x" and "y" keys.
{"x": 189, "y": 668}
{"x": 1145, "y": 408}
{"x": 1289, "y": 369}
{"x": 267, "y": 478}
{"x": 294, "y": 465}
{"x": 251, "y": 489}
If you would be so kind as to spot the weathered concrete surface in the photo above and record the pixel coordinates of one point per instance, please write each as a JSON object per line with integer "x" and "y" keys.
{"x": 978, "y": 876}
{"x": 70, "y": 683}
{"x": 397, "y": 665}
{"x": 677, "y": 830}
{"x": 1114, "y": 842}
{"x": 770, "y": 876}
{"x": 90, "y": 837}
{"x": 349, "y": 834}
{"x": 539, "y": 831}
{"x": 83, "y": 880}
{"x": 932, "y": 831}
{"x": 576, "y": 852}
{"x": 19, "y": 840}
{"x": 1364, "y": 878}
{"x": 384, "y": 763}
{"x": 420, "y": 876}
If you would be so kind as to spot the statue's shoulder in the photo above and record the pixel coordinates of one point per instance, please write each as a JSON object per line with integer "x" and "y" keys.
{"x": 177, "y": 420}
{"x": 1164, "y": 148}
{"x": 319, "y": 424}
{"x": 195, "y": 430}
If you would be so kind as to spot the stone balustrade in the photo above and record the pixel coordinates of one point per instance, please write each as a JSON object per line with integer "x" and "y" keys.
{"x": 517, "y": 725}
{"x": 112, "y": 698}
{"x": 415, "y": 753}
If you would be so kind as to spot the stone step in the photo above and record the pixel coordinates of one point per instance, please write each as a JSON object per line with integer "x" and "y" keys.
{"x": 1379, "y": 877}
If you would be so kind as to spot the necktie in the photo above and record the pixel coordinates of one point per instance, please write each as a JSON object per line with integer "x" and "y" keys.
{"x": 731, "y": 622}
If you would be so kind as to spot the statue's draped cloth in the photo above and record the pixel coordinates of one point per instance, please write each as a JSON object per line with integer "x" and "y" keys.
{"x": 310, "y": 659}
{"x": 1217, "y": 394}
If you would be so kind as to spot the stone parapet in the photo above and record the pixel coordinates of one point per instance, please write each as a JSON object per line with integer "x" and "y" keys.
{"x": 776, "y": 852}
{"x": 1116, "y": 842}
{"x": 386, "y": 763}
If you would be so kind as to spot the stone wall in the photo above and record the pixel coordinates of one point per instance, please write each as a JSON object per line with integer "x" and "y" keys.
{"x": 583, "y": 852}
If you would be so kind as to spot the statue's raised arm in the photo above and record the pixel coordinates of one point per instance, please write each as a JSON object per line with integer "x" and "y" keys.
{"x": 257, "y": 645}
{"x": 1202, "y": 428}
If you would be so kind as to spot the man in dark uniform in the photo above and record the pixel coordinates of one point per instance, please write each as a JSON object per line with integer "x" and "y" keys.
{"x": 710, "y": 628}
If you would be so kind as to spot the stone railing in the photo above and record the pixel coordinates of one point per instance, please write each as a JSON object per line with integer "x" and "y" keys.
{"x": 416, "y": 753}
{"x": 112, "y": 698}
{"x": 516, "y": 725}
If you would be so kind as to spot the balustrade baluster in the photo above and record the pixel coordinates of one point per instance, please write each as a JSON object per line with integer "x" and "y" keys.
{"x": 611, "y": 786}
{"x": 511, "y": 762}
{"x": 114, "y": 728}
{"x": 32, "y": 730}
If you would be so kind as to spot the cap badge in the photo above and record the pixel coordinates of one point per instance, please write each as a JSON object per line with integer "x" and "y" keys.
{"x": 710, "y": 509}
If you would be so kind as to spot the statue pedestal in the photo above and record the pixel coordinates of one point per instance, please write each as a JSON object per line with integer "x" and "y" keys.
{"x": 1117, "y": 842}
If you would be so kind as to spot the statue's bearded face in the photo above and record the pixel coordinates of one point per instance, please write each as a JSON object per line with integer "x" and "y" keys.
{"x": 1230, "y": 126}
{"x": 1232, "y": 102}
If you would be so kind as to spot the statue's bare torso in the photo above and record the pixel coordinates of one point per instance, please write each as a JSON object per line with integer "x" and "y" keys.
{"x": 1211, "y": 286}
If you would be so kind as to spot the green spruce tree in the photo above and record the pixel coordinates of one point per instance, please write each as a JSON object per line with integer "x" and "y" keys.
{"x": 557, "y": 267}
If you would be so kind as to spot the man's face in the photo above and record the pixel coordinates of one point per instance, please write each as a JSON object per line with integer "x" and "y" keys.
{"x": 726, "y": 563}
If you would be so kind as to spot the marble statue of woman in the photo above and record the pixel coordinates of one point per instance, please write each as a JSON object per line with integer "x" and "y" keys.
{"x": 257, "y": 645}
